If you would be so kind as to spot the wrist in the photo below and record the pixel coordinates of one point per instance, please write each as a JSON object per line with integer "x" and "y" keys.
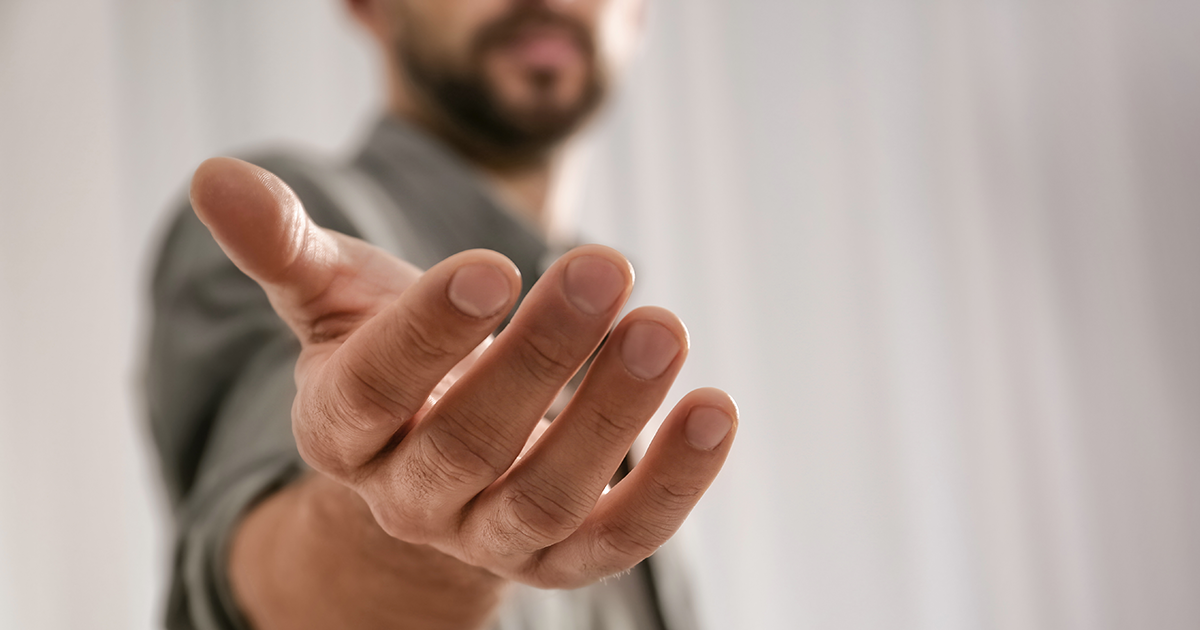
{"x": 312, "y": 556}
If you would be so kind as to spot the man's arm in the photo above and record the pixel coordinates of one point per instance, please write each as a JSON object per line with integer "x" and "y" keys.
{"x": 316, "y": 543}
{"x": 420, "y": 509}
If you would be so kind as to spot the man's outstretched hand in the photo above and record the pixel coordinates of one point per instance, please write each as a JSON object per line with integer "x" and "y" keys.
{"x": 420, "y": 429}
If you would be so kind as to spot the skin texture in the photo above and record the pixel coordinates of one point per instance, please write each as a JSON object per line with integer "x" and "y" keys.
{"x": 438, "y": 483}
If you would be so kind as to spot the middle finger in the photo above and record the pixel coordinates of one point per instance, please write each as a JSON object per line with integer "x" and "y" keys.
{"x": 476, "y": 431}
{"x": 546, "y": 496}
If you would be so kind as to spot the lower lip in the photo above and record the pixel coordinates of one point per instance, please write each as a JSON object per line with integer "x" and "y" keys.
{"x": 546, "y": 51}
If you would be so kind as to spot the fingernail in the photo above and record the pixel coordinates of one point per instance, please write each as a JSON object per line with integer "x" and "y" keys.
{"x": 648, "y": 349}
{"x": 478, "y": 290}
{"x": 707, "y": 427}
{"x": 593, "y": 284}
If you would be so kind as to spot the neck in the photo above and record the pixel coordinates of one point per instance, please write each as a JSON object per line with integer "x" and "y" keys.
{"x": 526, "y": 191}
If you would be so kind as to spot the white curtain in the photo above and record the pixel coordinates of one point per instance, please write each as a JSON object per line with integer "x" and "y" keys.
{"x": 944, "y": 254}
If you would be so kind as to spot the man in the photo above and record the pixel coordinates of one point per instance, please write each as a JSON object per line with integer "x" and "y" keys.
{"x": 346, "y": 446}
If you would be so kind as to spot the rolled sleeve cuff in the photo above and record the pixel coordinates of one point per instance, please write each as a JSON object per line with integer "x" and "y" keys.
{"x": 202, "y": 597}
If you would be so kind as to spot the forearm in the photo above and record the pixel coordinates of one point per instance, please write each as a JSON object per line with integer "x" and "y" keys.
{"x": 312, "y": 556}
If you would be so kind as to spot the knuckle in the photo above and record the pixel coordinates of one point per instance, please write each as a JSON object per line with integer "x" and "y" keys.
{"x": 610, "y": 426}
{"x": 545, "y": 356}
{"x": 404, "y": 507}
{"x": 315, "y": 420}
{"x": 373, "y": 383}
{"x": 621, "y": 545}
{"x": 424, "y": 341}
{"x": 316, "y": 452}
{"x": 674, "y": 494}
{"x": 400, "y": 521}
{"x": 547, "y": 576}
{"x": 369, "y": 392}
{"x": 458, "y": 454}
{"x": 538, "y": 519}
{"x": 394, "y": 521}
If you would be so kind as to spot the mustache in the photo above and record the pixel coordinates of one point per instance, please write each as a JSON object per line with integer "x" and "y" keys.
{"x": 512, "y": 25}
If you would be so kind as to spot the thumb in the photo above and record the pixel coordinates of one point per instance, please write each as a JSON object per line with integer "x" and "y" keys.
{"x": 261, "y": 225}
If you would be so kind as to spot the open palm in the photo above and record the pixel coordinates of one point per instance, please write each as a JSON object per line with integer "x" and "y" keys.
{"x": 402, "y": 399}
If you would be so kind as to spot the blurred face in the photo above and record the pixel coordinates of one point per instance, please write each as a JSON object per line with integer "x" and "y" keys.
{"x": 510, "y": 78}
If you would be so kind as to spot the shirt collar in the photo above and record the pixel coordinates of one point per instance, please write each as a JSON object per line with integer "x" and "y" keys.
{"x": 447, "y": 200}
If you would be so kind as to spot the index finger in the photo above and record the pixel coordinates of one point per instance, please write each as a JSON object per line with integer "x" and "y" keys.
{"x": 381, "y": 376}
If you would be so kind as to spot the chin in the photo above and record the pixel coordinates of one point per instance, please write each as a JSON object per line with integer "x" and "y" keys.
{"x": 534, "y": 92}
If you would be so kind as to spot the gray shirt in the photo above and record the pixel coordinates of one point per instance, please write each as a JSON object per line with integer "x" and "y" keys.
{"x": 220, "y": 372}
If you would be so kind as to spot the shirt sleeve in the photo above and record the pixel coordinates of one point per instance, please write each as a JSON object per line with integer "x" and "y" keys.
{"x": 219, "y": 385}
{"x": 219, "y": 388}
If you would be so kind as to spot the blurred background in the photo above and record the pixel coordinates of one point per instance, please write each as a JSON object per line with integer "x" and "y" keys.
{"x": 945, "y": 254}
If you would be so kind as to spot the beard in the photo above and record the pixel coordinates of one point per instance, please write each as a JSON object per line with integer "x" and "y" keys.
{"x": 469, "y": 108}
